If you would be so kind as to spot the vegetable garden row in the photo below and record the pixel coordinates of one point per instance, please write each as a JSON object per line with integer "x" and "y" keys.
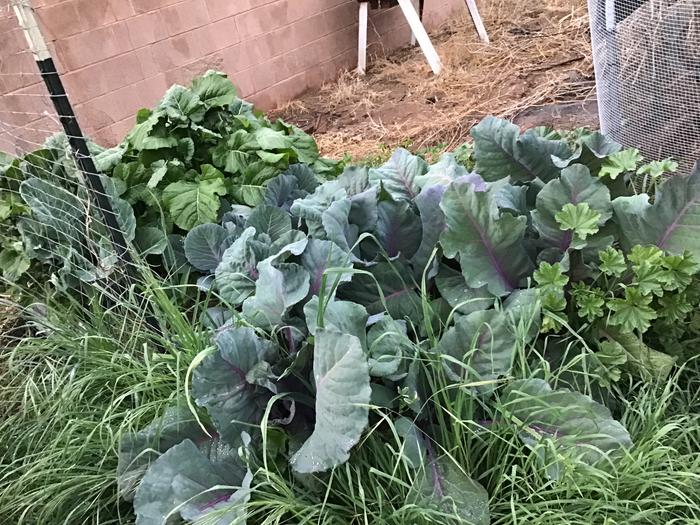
{"x": 338, "y": 343}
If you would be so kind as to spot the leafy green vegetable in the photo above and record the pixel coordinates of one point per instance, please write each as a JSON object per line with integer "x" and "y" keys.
{"x": 222, "y": 385}
{"x": 489, "y": 245}
{"x": 442, "y": 484}
{"x": 187, "y": 480}
{"x": 342, "y": 383}
{"x": 579, "y": 428}
{"x": 326, "y": 299}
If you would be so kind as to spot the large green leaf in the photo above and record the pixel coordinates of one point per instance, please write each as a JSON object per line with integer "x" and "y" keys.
{"x": 490, "y": 245}
{"x": 304, "y": 146}
{"x": 139, "y": 449}
{"x": 575, "y": 186}
{"x": 342, "y": 398}
{"x": 318, "y": 258}
{"x": 500, "y": 151}
{"x": 579, "y": 428}
{"x": 671, "y": 223}
{"x": 398, "y": 175}
{"x": 191, "y": 203}
{"x": 151, "y": 134}
{"x": 14, "y": 261}
{"x": 344, "y": 316}
{"x": 237, "y": 272}
{"x": 214, "y": 89}
{"x": 189, "y": 482}
{"x": 220, "y": 383}
{"x": 237, "y": 152}
{"x": 205, "y": 246}
{"x": 442, "y": 484}
{"x": 486, "y": 341}
{"x": 269, "y": 139}
{"x": 181, "y": 104}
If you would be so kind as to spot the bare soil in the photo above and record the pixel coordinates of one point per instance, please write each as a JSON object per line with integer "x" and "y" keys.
{"x": 537, "y": 70}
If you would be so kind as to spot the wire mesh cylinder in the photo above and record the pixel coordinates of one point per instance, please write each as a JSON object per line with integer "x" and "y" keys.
{"x": 647, "y": 63}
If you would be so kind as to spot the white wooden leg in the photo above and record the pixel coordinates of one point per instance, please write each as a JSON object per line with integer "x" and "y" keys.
{"x": 416, "y": 4}
{"x": 423, "y": 39}
{"x": 478, "y": 22}
{"x": 362, "y": 39}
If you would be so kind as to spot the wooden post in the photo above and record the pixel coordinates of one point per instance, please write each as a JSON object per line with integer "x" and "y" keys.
{"x": 413, "y": 35}
{"x": 362, "y": 39}
{"x": 478, "y": 22}
{"x": 421, "y": 35}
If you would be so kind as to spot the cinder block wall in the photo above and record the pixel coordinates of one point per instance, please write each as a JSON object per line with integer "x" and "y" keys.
{"x": 117, "y": 56}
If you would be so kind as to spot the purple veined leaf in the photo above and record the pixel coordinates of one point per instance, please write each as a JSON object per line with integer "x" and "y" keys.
{"x": 196, "y": 483}
{"x": 454, "y": 289}
{"x": 400, "y": 293}
{"x": 578, "y": 428}
{"x": 344, "y": 316}
{"x": 398, "y": 174}
{"x": 342, "y": 402}
{"x": 226, "y": 383}
{"x": 139, "y": 449}
{"x": 398, "y": 230}
{"x": 388, "y": 348}
{"x": 433, "y": 224}
{"x": 318, "y": 258}
{"x": 500, "y": 151}
{"x": 443, "y": 485}
{"x": 447, "y": 170}
{"x": 205, "y": 246}
{"x": 672, "y": 223}
{"x": 235, "y": 274}
{"x": 490, "y": 245}
{"x": 485, "y": 341}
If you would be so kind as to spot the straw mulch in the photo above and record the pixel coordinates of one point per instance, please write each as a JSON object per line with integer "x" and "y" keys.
{"x": 539, "y": 54}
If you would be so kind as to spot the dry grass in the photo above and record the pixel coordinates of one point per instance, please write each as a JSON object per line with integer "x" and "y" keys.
{"x": 539, "y": 54}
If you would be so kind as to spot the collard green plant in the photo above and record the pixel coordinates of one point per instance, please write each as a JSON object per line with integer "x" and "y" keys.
{"x": 349, "y": 285}
{"x": 202, "y": 148}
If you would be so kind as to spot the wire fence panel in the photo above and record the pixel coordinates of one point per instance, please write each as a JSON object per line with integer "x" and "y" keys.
{"x": 53, "y": 232}
{"x": 647, "y": 63}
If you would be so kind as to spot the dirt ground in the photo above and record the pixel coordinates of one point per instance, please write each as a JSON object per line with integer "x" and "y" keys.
{"x": 537, "y": 70}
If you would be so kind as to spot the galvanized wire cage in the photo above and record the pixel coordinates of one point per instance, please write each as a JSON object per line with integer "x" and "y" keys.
{"x": 647, "y": 61}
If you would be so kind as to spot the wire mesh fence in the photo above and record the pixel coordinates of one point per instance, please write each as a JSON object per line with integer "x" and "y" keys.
{"x": 55, "y": 228}
{"x": 647, "y": 61}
